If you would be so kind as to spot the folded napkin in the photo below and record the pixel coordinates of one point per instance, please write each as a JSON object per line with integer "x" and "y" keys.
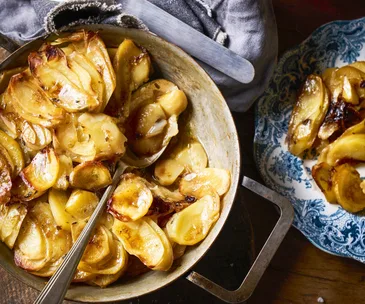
{"x": 247, "y": 27}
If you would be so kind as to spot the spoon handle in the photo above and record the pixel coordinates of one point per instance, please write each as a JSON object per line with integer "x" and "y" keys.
{"x": 56, "y": 288}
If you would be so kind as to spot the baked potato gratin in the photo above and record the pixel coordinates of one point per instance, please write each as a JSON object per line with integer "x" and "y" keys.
{"x": 329, "y": 117}
{"x": 65, "y": 120}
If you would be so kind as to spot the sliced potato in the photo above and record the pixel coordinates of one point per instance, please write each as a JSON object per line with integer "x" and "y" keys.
{"x": 10, "y": 123}
{"x": 81, "y": 204}
{"x": 167, "y": 171}
{"x": 308, "y": 114}
{"x": 6, "y": 75}
{"x": 118, "y": 261}
{"x": 69, "y": 139}
{"x": 131, "y": 200}
{"x": 23, "y": 190}
{"x": 41, "y": 174}
{"x": 83, "y": 276}
{"x": 199, "y": 184}
{"x": 5, "y": 181}
{"x": 144, "y": 241}
{"x": 346, "y": 182}
{"x": 14, "y": 151}
{"x": 92, "y": 175}
{"x": 35, "y": 136}
{"x": 349, "y": 93}
{"x": 31, "y": 248}
{"x": 132, "y": 67}
{"x": 108, "y": 139}
{"x": 193, "y": 157}
{"x": 322, "y": 174}
{"x": 191, "y": 225}
{"x": 11, "y": 219}
{"x": 50, "y": 67}
{"x": 104, "y": 280}
{"x": 57, "y": 201}
{"x": 64, "y": 172}
{"x": 350, "y": 147}
{"x": 30, "y": 101}
{"x": 173, "y": 103}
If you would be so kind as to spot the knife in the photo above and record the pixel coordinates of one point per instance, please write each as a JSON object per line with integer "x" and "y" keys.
{"x": 190, "y": 40}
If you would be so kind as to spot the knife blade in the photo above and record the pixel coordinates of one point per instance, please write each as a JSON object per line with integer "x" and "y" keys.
{"x": 190, "y": 40}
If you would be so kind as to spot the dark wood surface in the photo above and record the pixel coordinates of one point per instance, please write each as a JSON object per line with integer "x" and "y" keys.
{"x": 299, "y": 273}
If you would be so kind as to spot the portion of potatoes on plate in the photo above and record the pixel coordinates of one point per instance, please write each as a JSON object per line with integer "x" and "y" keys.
{"x": 65, "y": 120}
{"x": 329, "y": 117}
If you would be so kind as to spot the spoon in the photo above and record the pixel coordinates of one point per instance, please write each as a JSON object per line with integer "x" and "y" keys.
{"x": 56, "y": 288}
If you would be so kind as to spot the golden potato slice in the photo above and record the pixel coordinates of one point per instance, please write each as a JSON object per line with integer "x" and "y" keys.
{"x": 6, "y": 75}
{"x": 82, "y": 276}
{"x": 104, "y": 280}
{"x": 14, "y": 151}
{"x": 173, "y": 103}
{"x": 354, "y": 76}
{"x": 193, "y": 157}
{"x": 69, "y": 139}
{"x": 191, "y": 225}
{"x": 346, "y": 182}
{"x": 41, "y": 174}
{"x": 307, "y": 115}
{"x": 64, "y": 172}
{"x": 10, "y": 123}
{"x": 131, "y": 200}
{"x": 57, "y": 201}
{"x": 92, "y": 175}
{"x": 107, "y": 220}
{"x": 8, "y": 160}
{"x": 31, "y": 251}
{"x": 109, "y": 141}
{"x": 11, "y": 219}
{"x": 118, "y": 261}
{"x": 50, "y": 67}
{"x": 81, "y": 204}
{"x": 350, "y": 147}
{"x": 31, "y": 102}
{"x": 5, "y": 181}
{"x": 149, "y": 121}
{"x": 144, "y": 241}
{"x": 35, "y": 136}
{"x": 132, "y": 68}
{"x": 349, "y": 93}
{"x": 167, "y": 171}
{"x": 200, "y": 183}
{"x": 23, "y": 191}
{"x": 322, "y": 174}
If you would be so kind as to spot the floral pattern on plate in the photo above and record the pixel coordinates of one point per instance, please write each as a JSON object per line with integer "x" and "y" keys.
{"x": 327, "y": 226}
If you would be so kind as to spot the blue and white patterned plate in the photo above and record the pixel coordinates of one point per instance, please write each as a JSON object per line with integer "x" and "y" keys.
{"x": 327, "y": 226}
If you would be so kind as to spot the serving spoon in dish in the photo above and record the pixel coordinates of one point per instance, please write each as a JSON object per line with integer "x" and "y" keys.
{"x": 56, "y": 288}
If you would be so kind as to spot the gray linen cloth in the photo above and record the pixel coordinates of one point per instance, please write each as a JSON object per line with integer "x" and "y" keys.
{"x": 247, "y": 27}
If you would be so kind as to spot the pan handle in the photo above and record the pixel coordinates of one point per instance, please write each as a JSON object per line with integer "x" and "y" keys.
{"x": 8, "y": 44}
{"x": 264, "y": 257}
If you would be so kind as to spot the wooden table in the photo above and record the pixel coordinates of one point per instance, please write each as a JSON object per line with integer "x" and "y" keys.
{"x": 299, "y": 273}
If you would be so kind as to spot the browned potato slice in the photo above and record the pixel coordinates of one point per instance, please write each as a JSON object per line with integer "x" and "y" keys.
{"x": 91, "y": 176}
{"x": 83, "y": 276}
{"x": 6, "y": 75}
{"x": 322, "y": 174}
{"x": 354, "y": 76}
{"x": 32, "y": 251}
{"x": 191, "y": 225}
{"x": 41, "y": 174}
{"x": 5, "y": 181}
{"x": 146, "y": 240}
{"x": 173, "y": 103}
{"x": 23, "y": 191}
{"x": 31, "y": 102}
{"x": 50, "y": 67}
{"x": 350, "y": 147}
{"x": 118, "y": 261}
{"x": 167, "y": 171}
{"x": 200, "y": 183}
{"x": 131, "y": 200}
{"x": 104, "y": 280}
{"x": 64, "y": 172}
{"x": 35, "y": 136}
{"x": 346, "y": 181}
{"x": 132, "y": 67}
{"x": 108, "y": 139}
{"x": 14, "y": 151}
{"x": 69, "y": 139}
{"x": 81, "y": 204}
{"x": 10, "y": 123}
{"x": 11, "y": 219}
{"x": 149, "y": 121}
{"x": 193, "y": 157}
{"x": 57, "y": 201}
{"x": 307, "y": 115}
